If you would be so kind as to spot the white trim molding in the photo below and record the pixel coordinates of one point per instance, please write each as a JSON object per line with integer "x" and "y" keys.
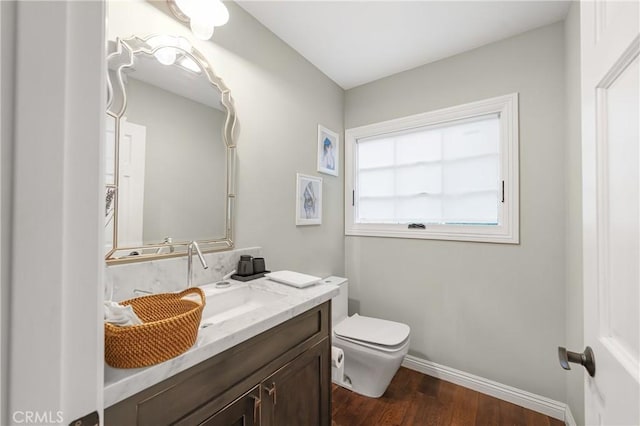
{"x": 548, "y": 407}
{"x": 568, "y": 418}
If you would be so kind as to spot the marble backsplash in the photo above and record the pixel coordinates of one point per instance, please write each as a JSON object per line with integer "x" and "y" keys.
{"x": 168, "y": 275}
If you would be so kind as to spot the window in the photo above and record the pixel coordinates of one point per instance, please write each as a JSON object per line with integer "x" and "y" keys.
{"x": 450, "y": 174}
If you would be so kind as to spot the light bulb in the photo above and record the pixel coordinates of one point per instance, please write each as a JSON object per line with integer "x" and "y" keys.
{"x": 165, "y": 55}
{"x": 203, "y": 15}
{"x": 220, "y": 14}
{"x": 189, "y": 64}
{"x": 188, "y": 7}
{"x": 160, "y": 40}
{"x": 202, "y": 29}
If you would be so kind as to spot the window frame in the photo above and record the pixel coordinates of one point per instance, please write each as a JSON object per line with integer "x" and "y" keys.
{"x": 507, "y": 231}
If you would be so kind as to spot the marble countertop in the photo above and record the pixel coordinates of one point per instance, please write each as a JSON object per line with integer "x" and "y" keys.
{"x": 120, "y": 384}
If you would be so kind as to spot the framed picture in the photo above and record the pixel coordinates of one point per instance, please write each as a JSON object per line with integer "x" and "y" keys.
{"x": 109, "y": 201}
{"x": 328, "y": 151}
{"x": 308, "y": 200}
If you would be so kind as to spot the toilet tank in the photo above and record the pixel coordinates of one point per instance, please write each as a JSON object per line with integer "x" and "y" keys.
{"x": 339, "y": 303}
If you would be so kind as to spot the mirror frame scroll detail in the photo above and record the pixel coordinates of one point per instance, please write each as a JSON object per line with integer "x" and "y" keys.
{"x": 121, "y": 58}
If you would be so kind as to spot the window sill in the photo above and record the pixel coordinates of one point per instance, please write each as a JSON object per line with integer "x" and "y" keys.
{"x": 451, "y": 233}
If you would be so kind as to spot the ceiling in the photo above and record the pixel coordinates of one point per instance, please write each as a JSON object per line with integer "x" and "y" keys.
{"x": 355, "y": 42}
{"x": 176, "y": 79}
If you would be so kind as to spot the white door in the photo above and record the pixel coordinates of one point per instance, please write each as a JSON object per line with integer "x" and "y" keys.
{"x": 110, "y": 180}
{"x": 131, "y": 164}
{"x": 110, "y": 150}
{"x": 611, "y": 202}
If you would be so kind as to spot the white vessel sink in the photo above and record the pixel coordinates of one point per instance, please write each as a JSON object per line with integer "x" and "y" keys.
{"x": 224, "y": 304}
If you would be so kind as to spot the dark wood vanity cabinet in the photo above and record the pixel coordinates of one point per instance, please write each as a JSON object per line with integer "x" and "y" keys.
{"x": 280, "y": 377}
{"x": 290, "y": 396}
{"x": 245, "y": 411}
{"x": 294, "y": 395}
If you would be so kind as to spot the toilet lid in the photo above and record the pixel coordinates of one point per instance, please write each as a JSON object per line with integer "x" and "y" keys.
{"x": 372, "y": 330}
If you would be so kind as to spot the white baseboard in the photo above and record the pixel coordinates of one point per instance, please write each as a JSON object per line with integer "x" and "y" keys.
{"x": 568, "y": 418}
{"x": 548, "y": 407}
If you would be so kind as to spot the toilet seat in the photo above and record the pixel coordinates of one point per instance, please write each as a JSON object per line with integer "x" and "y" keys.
{"x": 375, "y": 333}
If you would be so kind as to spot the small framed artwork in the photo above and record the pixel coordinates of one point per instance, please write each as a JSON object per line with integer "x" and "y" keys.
{"x": 328, "y": 151}
{"x": 308, "y": 200}
{"x": 109, "y": 201}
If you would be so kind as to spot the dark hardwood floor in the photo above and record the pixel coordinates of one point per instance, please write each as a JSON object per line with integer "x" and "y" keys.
{"x": 416, "y": 399}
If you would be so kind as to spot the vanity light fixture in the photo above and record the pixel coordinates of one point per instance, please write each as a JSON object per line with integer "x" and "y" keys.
{"x": 166, "y": 54}
{"x": 201, "y": 15}
{"x": 163, "y": 50}
{"x": 190, "y": 65}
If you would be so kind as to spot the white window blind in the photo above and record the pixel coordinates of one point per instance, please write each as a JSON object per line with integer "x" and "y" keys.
{"x": 441, "y": 174}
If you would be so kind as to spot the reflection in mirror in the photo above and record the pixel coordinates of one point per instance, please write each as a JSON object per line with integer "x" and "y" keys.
{"x": 169, "y": 170}
{"x": 110, "y": 183}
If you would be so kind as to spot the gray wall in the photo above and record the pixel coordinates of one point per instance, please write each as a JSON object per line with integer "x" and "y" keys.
{"x": 185, "y": 167}
{"x": 280, "y": 99}
{"x": 494, "y": 310}
{"x": 7, "y": 84}
{"x": 573, "y": 223}
{"x": 57, "y": 210}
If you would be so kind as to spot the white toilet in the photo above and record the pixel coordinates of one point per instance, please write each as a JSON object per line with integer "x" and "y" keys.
{"x": 373, "y": 348}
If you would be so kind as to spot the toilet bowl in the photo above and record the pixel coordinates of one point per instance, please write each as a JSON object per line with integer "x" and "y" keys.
{"x": 373, "y": 348}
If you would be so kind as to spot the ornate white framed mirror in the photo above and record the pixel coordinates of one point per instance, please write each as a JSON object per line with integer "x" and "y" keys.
{"x": 170, "y": 161}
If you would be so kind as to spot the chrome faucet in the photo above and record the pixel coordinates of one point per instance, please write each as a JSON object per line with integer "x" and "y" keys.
{"x": 168, "y": 241}
{"x": 193, "y": 245}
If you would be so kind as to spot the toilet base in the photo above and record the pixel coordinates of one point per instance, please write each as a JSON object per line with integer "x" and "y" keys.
{"x": 368, "y": 371}
{"x": 344, "y": 383}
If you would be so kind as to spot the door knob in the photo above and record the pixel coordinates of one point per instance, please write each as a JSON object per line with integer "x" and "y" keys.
{"x": 586, "y": 359}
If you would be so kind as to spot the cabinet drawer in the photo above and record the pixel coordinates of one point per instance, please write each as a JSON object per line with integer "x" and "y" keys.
{"x": 216, "y": 382}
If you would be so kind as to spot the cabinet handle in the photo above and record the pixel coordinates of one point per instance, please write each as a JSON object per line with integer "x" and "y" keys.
{"x": 272, "y": 391}
{"x": 257, "y": 404}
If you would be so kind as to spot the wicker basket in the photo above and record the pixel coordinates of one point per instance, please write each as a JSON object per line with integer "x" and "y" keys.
{"x": 170, "y": 327}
